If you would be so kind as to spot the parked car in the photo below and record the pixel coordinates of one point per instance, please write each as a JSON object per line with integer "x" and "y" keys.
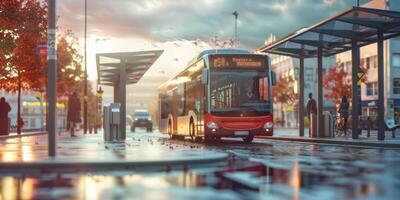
{"x": 142, "y": 119}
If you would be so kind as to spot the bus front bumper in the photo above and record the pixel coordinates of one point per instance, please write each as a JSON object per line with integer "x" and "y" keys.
{"x": 221, "y": 132}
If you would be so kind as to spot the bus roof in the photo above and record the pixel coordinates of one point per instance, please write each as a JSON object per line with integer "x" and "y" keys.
{"x": 223, "y": 51}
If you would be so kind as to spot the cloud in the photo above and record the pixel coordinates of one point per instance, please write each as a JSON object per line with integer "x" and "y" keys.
{"x": 163, "y": 20}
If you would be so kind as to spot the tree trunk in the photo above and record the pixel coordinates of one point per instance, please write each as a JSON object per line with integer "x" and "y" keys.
{"x": 282, "y": 115}
{"x": 19, "y": 105}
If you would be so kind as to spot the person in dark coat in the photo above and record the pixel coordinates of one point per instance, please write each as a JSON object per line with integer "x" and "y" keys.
{"x": 344, "y": 112}
{"x": 4, "y": 110}
{"x": 311, "y": 106}
{"x": 74, "y": 110}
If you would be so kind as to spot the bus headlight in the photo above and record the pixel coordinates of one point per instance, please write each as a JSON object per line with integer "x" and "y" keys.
{"x": 212, "y": 125}
{"x": 268, "y": 125}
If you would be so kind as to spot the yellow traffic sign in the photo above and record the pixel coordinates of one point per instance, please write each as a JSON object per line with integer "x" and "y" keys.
{"x": 360, "y": 75}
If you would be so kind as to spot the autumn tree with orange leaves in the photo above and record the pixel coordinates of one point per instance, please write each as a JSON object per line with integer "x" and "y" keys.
{"x": 338, "y": 82}
{"x": 283, "y": 93}
{"x": 23, "y": 24}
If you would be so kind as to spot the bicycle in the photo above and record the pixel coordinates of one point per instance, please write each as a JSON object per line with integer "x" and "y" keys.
{"x": 340, "y": 126}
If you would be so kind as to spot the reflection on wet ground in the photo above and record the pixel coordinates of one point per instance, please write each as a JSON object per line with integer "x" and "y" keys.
{"x": 262, "y": 170}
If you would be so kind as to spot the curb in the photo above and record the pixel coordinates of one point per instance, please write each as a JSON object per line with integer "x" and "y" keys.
{"x": 2, "y": 137}
{"x": 337, "y": 142}
{"x": 60, "y": 163}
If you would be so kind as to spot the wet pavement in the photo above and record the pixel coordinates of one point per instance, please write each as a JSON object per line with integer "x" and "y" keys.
{"x": 85, "y": 151}
{"x": 265, "y": 169}
{"x": 364, "y": 139}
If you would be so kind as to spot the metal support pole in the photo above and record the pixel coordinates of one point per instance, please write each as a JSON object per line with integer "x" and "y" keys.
{"x": 355, "y": 57}
{"x": 116, "y": 92}
{"x": 52, "y": 79}
{"x": 236, "y": 14}
{"x": 85, "y": 99}
{"x": 96, "y": 121}
{"x": 236, "y": 45}
{"x": 381, "y": 105}
{"x": 301, "y": 97}
{"x": 320, "y": 99}
{"x": 122, "y": 96}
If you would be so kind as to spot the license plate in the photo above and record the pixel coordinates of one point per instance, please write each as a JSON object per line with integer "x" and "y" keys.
{"x": 241, "y": 133}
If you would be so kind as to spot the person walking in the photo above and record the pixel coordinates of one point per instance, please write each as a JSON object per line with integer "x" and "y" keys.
{"x": 344, "y": 113}
{"x": 311, "y": 109}
{"x": 74, "y": 110}
{"x": 4, "y": 110}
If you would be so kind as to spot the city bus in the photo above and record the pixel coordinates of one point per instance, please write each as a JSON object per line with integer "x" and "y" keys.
{"x": 221, "y": 93}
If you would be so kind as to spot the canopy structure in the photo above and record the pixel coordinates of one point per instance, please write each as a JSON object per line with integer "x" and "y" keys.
{"x": 349, "y": 30}
{"x": 137, "y": 63}
{"x": 335, "y": 34}
{"x": 119, "y": 69}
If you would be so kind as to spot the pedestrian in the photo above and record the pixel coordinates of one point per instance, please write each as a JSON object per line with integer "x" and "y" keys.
{"x": 74, "y": 110}
{"x": 311, "y": 108}
{"x": 4, "y": 110}
{"x": 344, "y": 112}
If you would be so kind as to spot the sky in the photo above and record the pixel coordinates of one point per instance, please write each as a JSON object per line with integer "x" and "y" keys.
{"x": 126, "y": 25}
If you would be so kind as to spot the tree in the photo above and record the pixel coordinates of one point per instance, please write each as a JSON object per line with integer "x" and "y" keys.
{"x": 283, "y": 93}
{"x": 338, "y": 83}
{"x": 69, "y": 67}
{"x": 23, "y": 24}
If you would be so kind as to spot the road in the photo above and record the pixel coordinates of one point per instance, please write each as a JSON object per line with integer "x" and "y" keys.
{"x": 263, "y": 169}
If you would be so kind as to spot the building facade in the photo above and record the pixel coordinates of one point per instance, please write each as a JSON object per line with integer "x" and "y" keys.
{"x": 285, "y": 66}
{"x": 368, "y": 56}
{"x": 33, "y": 111}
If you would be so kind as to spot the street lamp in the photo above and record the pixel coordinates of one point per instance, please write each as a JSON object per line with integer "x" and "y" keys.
{"x": 236, "y": 14}
{"x": 52, "y": 78}
{"x": 85, "y": 81}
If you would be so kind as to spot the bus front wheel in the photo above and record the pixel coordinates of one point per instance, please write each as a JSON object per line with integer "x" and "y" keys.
{"x": 212, "y": 139}
{"x": 248, "y": 139}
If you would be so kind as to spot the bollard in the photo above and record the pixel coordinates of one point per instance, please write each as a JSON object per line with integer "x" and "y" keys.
{"x": 111, "y": 122}
{"x": 313, "y": 125}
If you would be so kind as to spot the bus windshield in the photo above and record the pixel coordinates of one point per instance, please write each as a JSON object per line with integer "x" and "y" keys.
{"x": 240, "y": 93}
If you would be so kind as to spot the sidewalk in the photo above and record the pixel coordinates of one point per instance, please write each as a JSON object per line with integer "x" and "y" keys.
{"x": 290, "y": 134}
{"x": 139, "y": 151}
{"x": 14, "y": 134}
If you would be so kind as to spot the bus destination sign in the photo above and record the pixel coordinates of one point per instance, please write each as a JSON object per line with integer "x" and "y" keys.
{"x": 237, "y": 62}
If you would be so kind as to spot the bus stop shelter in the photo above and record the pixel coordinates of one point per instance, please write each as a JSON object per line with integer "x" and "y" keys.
{"x": 347, "y": 31}
{"x": 120, "y": 69}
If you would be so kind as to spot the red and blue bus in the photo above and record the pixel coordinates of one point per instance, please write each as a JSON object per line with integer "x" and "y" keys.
{"x": 221, "y": 93}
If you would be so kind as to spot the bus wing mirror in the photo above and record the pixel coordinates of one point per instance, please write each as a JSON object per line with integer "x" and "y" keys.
{"x": 273, "y": 78}
{"x": 204, "y": 76}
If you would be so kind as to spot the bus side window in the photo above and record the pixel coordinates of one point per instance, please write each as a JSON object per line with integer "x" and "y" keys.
{"x": 181, "y": 100}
